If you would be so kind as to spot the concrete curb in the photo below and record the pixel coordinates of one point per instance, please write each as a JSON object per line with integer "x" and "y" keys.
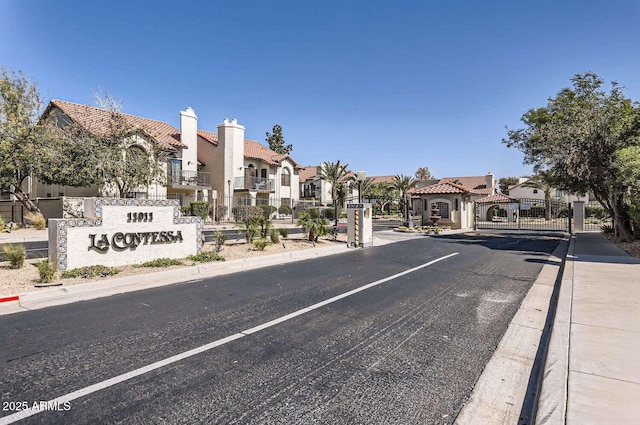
{"x": 97, "y": 289}
{"x": 498, "y": 395}
{"x": 552, "y": 404}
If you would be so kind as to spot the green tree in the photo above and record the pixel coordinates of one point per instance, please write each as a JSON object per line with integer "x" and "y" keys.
{"x": 505, "y": 182}
{"x": 25, "y": 140}
{"x": 627, "y": 165}
{"x": 423, "y": 173}
{"x": 383, "y": 193}
{"x": 276, "y": 141}
{"x": 404, "y": 184}
{"x": 543, "y": 182}
{"x": 127, "y": 158}
{"x": 333, "y": 173}
{"x": 574, "y": 139}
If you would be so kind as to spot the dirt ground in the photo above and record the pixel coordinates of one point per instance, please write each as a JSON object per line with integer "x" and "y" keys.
{"x": 631, "y": 248}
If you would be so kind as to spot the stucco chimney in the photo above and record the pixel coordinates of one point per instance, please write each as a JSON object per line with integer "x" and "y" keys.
{"x": 490, "y": 182}
{"x": 231, "y": 142}
{"x": 189, "y": 137}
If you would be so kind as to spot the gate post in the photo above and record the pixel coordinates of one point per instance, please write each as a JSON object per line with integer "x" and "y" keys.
{"x": 475, "y": 215}
{"x": 578, "y": 216}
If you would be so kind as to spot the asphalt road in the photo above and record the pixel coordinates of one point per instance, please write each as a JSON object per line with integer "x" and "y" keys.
{"x": 40, "y": 249}
{"x": 36, "y": 249}
{"x": 406, "y": 350}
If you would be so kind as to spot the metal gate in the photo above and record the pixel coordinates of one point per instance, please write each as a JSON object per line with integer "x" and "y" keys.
{"x": 596, "y": 217}
{"x": 523, "y": 214}
{"x": 10, "y": 211}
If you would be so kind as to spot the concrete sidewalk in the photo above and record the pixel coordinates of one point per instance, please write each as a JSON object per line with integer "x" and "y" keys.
{"x": 592, "y": 372}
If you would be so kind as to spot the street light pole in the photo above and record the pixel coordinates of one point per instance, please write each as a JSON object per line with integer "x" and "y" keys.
{"x": 360, "y": 176}
{"x": 229, "y": 204}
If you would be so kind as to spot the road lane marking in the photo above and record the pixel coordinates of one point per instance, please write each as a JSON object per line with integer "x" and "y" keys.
{"x": 190, "y": 353}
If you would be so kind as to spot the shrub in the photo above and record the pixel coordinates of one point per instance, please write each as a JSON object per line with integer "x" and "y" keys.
{"x": 186, "y": 210}
{"x": 607, "y": 229}
{"x": 313, "y": 224}
{"x": 275, "y": 237}
{"x": 16, "y": 254}
{"x": 161, "y": 262}
{"x": 249, "y": 227}
{"x": 265, "y": 226}
{"x": 47, "y": 271}
{"x": 3, "y": 224}
{"x": 285, "y": 210}
{"x": 205, "y": 257}
{"x": 243, "y": 212}
{"x": 36, "y": 220}
{"x": 595, "y": 212}
{"x": 90, "y": 271}
{"x": 284, "y": 232}
{"x": 260, "y": 244}
{"x": 328, "y": 213}
{"x": 200, "y": 209}
{"x": 267, "y": 210}
{"x": 221, "y": 212}
{"x": 219, "y": 239}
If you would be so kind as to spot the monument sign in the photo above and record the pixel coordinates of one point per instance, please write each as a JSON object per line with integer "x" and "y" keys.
{"x": 117, "y": 232}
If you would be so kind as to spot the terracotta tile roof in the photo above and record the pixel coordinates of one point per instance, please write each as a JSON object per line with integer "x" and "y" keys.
{"x": 475, "y": 184}
{"x": 209, "y": 136}
{"x": 255, "y": 150}
{"x": 498, "y": 198}
{"x": 308, "y": 172}
{"x": 383, "y": 179}
{"x": 96, "y": 121}
{"x": 440, "y": 188}
{"x": 521, "y": 184}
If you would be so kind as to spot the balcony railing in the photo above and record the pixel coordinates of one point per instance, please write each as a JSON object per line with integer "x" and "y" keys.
{"x": 254, "y": 183}
{"x": 308, "y": 193}
{"x": 183, "y": 179}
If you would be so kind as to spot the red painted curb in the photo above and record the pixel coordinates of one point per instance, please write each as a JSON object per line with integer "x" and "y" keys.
{"x": 5, "y": 299}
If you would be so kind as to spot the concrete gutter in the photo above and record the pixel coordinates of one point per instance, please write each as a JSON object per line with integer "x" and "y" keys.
{"x": 103, "y": 288}
{"x": 500, "y": 391}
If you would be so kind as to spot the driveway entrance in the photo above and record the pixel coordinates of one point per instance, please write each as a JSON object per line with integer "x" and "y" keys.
{"x": 523, "y": 214}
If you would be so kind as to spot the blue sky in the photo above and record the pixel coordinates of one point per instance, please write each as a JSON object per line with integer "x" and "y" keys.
{"x": 385, "y": 86}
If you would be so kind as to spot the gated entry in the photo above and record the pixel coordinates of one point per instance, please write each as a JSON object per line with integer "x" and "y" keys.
{"x": 523, "y": 214}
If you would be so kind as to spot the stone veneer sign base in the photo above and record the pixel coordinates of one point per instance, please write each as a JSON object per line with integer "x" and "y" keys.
{"x": 118, "y": 232}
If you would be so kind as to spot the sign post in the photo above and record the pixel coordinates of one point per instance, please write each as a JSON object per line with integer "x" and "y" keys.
{"x": 359, "y": 225}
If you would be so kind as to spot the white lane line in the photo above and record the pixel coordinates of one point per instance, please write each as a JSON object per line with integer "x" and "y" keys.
{"x": 178, "y": 357}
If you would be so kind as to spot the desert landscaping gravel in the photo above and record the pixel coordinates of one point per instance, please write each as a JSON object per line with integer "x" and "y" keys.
{"x": 18, "y": 281}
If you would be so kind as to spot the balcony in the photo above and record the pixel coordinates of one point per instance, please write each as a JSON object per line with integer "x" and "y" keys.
{"x": 258, "y": 184}
{"x": 181, "y": 179}
{"x": 310, "y": 193}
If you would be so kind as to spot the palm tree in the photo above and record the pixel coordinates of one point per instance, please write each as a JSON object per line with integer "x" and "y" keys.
{"x": 404, "y": 184}
{"x": 364, "y": 187}
{"x": 333, "y": 173}
{"x": 423, "y": 173}
{"x": 542, "y": 181}
{"x": 312, "y": 222}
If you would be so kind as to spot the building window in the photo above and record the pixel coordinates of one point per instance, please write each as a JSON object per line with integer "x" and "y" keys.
{"x": 285, "y": 177}
{"x": 443, "y": 209}
{"x": 535, "y": 191}
{"x": 263, "y": 173}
